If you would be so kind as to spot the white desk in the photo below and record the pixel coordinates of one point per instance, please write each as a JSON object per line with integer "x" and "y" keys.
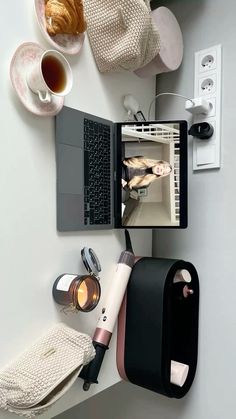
{"x": 33, "y": 253}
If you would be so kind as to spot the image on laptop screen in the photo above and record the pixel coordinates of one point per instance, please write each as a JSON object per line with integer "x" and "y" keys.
{"x": 154, "y": 174}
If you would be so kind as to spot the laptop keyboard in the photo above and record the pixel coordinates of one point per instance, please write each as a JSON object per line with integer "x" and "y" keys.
{"x": 97, "y": 173}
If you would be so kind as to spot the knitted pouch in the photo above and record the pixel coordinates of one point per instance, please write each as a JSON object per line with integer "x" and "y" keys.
{"x": 122, "y": 34}
{"x": 44, "y": 372}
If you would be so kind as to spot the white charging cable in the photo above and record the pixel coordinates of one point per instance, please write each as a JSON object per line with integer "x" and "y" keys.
{"x": 197, "y": 105}
{"x": 164, "y": 94}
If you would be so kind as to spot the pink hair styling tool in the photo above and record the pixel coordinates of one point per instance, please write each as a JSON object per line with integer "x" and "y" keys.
{"x": 109, "y": 314}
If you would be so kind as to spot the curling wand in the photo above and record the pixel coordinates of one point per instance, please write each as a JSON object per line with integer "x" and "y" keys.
{"x": 110, "y": 311}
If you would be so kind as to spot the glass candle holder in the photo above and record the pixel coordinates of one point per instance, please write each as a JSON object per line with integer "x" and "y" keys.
{"x": 81, "y": 292}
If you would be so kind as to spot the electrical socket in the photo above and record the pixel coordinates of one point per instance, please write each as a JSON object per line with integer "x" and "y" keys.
{"x": 212, "y": 102}
{"x": 207, "y": 85}
{"x": 207, "y": 59}
{"x": 211, "y": 112}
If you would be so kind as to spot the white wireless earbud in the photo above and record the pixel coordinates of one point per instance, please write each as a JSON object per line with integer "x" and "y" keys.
{"x": 131, "y": 104}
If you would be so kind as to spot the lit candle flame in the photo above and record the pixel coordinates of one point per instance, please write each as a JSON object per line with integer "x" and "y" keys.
{"x": 82, "y": 294}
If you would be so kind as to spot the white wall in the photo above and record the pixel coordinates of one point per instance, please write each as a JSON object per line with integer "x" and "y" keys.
{"x": 209, "y": 241}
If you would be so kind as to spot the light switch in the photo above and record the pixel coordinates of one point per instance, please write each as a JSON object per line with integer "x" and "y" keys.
{"x": 205, "y": 153}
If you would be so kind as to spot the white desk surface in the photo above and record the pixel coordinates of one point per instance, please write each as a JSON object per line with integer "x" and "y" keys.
{"x": 33, "y": 253}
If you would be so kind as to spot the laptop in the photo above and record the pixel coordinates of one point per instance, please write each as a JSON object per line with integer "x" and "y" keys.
{"x": 119, "y": 175}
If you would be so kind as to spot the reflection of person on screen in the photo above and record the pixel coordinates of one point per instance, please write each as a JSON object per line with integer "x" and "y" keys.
{"x": 140, "y": 172}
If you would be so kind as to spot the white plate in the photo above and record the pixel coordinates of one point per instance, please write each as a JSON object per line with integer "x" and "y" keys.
{"x": 68, "y": 44}
{"x": 21, "y": 63}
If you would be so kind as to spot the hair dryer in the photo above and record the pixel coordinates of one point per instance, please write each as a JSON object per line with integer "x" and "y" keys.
{"x": 109, "y": 314}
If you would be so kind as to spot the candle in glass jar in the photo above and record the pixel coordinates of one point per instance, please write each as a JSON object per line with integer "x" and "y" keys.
{"x": 79, "y": 291}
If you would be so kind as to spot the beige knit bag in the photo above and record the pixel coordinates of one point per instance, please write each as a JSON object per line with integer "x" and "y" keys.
{"x": 44, "y": 372}
{"x": 122, "y": 34}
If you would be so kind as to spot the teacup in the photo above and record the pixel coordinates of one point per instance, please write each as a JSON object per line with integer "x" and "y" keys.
{"x": 51, "y": 75}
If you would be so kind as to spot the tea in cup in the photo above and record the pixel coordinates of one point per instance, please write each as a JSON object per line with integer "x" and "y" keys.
{"x": 51, "y": 75}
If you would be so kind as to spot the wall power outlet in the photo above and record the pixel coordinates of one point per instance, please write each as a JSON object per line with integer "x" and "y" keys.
{"x": 207, "y": 84}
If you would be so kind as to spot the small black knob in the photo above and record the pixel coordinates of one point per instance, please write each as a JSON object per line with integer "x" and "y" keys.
{"x": 201, "y": 130}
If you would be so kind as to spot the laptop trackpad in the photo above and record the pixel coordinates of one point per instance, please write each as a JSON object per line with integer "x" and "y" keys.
{"x": 70, "y": 169}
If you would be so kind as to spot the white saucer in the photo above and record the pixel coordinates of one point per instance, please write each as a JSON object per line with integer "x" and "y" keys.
{"x": 66, "y": 43}
{"x": 21, "y": 63}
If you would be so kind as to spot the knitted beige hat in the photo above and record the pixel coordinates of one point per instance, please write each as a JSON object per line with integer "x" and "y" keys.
{"x": 121, "y": 33}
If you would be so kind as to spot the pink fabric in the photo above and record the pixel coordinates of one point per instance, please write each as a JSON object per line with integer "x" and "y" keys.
{"x": 171, "y": 51}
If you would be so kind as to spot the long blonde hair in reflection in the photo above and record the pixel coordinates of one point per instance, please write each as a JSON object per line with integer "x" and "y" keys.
{"x": 143, "y": 163}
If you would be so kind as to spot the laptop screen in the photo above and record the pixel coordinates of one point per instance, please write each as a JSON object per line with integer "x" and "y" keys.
{"x": 152, "y": 174}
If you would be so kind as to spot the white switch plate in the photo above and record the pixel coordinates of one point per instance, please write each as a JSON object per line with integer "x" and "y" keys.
{"x": 205, "y": 154}
{"x": 207, "y": 84}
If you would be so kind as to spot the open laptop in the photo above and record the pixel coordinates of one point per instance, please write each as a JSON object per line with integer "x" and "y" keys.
{"x": 93, "y": 156}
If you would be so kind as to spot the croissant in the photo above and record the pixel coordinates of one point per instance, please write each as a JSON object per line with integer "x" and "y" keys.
{"x": 64, "y": 17}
